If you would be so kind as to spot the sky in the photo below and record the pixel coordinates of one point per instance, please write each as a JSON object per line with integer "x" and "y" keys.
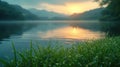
{"x": 67, "y": 7}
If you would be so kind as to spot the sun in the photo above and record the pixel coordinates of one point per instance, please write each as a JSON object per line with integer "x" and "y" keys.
{"x": 73, "y": 8}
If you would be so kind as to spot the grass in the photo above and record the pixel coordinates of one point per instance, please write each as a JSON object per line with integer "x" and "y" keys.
{"x": 98, "y": 53}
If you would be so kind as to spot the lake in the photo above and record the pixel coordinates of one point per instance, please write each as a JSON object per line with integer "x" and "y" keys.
{"x": 46, "y": 32}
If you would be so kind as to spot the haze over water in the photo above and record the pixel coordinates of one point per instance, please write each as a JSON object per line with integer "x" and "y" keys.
{"x": 52, "y": 30}
{"x": 42, "y": 33}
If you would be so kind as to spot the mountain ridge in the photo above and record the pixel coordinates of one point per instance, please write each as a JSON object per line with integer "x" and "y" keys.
{"x": 15, "y": 12}
{"x": 94, "y": 14}
{"x": 45, "y": 13}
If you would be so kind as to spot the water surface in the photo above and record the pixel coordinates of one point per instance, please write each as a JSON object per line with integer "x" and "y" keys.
{"x": 49, "y": 30}
{"x": 45, "y": 32}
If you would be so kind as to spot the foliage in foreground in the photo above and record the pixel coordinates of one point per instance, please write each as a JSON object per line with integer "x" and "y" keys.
{"x": 99, "y": 53}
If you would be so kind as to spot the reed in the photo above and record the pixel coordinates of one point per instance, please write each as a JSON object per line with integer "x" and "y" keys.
{"x": 98, "y": 53}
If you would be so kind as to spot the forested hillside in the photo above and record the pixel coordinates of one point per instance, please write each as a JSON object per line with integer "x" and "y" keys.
{"x": 14, "y": 12}
{"x": 94, "y": 14}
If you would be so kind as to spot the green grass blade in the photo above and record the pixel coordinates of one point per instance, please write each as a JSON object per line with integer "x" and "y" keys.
{"x": 15, "y": 54}
{"x": 22, "y": 56}
{"x": 4, "y": 62}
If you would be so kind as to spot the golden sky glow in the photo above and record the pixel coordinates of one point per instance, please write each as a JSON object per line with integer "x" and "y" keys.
{"x": 69, "y": 7}
{"x": 73, "y": 8}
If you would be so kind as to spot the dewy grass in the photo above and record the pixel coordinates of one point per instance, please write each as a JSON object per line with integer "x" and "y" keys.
{"x": 99, "y": 53}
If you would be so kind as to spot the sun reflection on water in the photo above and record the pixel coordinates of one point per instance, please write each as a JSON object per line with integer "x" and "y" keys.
{"x": 74, "y": 31}
{"x": 70, "y": 32}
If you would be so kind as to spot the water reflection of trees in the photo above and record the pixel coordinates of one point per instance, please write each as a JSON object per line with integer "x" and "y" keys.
{"x": 111, "y": 28}
{"x": 93, "y": 26}
{"x": 8, "y": 29}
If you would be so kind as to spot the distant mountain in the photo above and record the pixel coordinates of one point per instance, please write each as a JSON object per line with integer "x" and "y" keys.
{"x": 15, "y": 12}
{"x": 94, "y": 14}
{"x": 46, "y": 14}
{"x": 26, "y": 13}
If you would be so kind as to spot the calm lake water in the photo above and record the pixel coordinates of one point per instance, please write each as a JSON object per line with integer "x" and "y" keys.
{"x": 45, "y": 32}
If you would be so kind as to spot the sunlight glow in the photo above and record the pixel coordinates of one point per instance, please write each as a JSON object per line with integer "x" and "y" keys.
{"x": 75, "y": 31}
{"x": 69, "y": 7}
{"x": 70, "y": 33}
{"x": 73, "y": 8}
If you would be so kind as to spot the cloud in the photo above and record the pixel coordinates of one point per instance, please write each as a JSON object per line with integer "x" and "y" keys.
{"x": 60, "y": 6}
{"x": 62, "y": 1}
{"x": 36, "y": 2}
{"x": 69, "y": 7}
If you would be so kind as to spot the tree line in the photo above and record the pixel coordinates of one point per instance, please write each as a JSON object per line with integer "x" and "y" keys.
{"x": 112, "y": 11}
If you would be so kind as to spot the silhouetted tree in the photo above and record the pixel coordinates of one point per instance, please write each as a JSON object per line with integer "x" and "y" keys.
{"x": 112, "y": 11}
